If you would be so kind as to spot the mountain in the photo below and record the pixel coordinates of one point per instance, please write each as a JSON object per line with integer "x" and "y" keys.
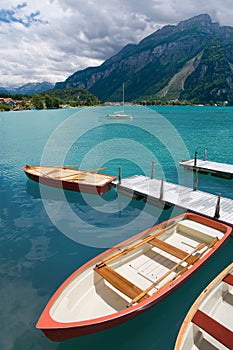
{"x": 31, "y": 88}
{"x": 190, "y": 61}
{"x": 3, "y": 90}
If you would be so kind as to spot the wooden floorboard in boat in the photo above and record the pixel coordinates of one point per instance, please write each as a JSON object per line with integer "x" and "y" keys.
{"x": 154, "y": 264}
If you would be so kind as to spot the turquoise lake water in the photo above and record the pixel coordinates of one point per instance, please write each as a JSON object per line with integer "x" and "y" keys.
{"x": 46, "y": 233}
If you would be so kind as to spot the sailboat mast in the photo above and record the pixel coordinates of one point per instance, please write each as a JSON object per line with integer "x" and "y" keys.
{"x": 123, "y": 97}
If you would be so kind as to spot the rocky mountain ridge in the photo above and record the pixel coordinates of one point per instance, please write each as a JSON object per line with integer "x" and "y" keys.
{"x": 192, "y": 61}
{"x": 29, "y": 88}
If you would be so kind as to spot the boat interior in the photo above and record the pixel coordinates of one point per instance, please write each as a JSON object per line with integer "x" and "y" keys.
{"x": 136, "y": 271}
{"x": 212, "y": 324}
{"x": 69, "y": 174}
{"x": 157, "y": 260}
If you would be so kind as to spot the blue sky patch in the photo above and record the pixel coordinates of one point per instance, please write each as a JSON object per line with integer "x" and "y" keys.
{"x": 14, "y": 15}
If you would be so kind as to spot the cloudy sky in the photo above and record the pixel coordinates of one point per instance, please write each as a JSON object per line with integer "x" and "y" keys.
{"x": 48, "y": 40}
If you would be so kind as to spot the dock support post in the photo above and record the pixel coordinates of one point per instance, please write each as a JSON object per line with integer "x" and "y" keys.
{"x": 161, "y": 188}
{"x": 217, "y": 208}
{"x": 119, "y": 175}
{"x": 195, "y": 181}
{"x": 195, "y": 159}
{"x": 205, "y": 154}
{"x": 152, "y": 169}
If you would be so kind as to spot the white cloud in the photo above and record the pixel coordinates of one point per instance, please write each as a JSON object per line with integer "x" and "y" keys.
{"x": 51, "y": 39}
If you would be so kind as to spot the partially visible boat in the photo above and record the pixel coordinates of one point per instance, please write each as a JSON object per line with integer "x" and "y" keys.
{"x": 209, "y": 322}
{"x": 121, "y": 114}
{"x": 131, "y": 277}
{"x": 69, "y": 178}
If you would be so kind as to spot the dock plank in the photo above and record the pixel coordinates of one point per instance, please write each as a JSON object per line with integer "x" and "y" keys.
{"x": 173, "y": 194}
{"x": 215, "y": 168}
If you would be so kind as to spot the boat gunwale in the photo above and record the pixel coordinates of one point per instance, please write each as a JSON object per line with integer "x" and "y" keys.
{"x": 46, "y": 322}
{"x": 195, "y": 306}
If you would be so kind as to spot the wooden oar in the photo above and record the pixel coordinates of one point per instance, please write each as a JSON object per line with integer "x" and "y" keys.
{"x": 79, "y": 175}
{"x": 95, "y": 171}
{"x": 53, "y": 166}
{"x": 39, "y": 173}
{"x": 212, "y": 243}
{"x": 141, "y": 295}
{"x": 136, "y": 245}
{"x": 85, "y": 172}
{"x": 70, "y": 166}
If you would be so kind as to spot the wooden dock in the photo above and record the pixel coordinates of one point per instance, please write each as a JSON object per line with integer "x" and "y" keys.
{"x": 161, "y": 193}
{"x": 205, "y": 166}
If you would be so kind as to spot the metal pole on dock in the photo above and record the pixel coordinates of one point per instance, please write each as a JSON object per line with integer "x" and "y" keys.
{"x": 161, "y": 188}
{"x": 195, "y": 181}
{"x": 152, "y": 169}
{"x": 205, "y": 154}
{"x": 217, "y": 208}
{"x": 119, "y": 175}
{"x": 195, "y": 159}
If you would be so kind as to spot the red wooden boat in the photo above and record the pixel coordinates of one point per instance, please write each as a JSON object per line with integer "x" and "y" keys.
{"x": 131, "y": 277}
{"x": 69, "y": 178}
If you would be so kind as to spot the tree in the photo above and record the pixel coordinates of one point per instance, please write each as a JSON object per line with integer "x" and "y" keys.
{"x": 4, "y": 107}
{"x": 48, "y": 101}
{"x": 37, "y": 101}
{"x": 56, "y": 103}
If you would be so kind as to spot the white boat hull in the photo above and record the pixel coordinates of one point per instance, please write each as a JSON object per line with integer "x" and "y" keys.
{"x": 131, "y": 277}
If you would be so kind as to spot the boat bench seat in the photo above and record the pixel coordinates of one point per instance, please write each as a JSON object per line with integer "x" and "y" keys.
{"x": 228, "y": 279}
{"x": 168, "y": 248}
{"x": 119, "y": 282}
{"x": 198, "y": 231}
{"x": 214, "y": 328}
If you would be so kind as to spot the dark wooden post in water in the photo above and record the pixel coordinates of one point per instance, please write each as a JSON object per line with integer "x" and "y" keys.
{"x": 119, "y": 175}
{"x": 195, "y": 159}
{"x": 217, "y": 208}
{"x": 205, "y": 154}
{"x": 195, "y": 181}
{"x": 161, "y": 188}
{"x": 152, "y": 169}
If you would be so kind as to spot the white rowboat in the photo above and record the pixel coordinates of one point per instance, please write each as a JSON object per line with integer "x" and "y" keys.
{"x": 131, "y": 277}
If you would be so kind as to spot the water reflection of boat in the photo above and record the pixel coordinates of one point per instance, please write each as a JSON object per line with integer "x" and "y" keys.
{"x": 131, "y": 277}
{"x": 89, "y": 208}
{"x": 36, "y": 190}
{"x": 70, "y": 179}
{"x": 121, "y": 202}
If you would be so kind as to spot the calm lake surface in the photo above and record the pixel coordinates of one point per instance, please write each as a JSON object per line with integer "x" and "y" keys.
{"x": 46, "y": 233}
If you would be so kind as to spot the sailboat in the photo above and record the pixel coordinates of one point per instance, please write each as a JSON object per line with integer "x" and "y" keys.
{"x": 121, "y": 114}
